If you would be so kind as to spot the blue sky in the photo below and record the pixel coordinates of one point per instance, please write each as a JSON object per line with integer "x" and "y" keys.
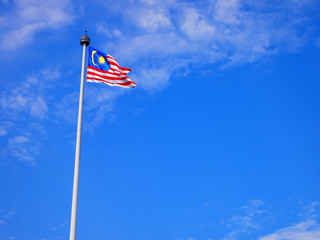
{"x": 219, "y": 140}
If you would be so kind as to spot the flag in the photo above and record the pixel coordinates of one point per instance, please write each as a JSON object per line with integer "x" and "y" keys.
{"x": 103, "y": 68}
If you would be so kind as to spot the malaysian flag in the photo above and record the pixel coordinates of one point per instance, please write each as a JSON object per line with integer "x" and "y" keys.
{"x": 103, "y": 68}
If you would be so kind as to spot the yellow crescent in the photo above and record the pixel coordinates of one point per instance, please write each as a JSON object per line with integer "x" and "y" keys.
{"x": 93, "y": 52}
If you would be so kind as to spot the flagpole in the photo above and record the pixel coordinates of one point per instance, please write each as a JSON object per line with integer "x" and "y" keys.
{"x": 84, "y": 41}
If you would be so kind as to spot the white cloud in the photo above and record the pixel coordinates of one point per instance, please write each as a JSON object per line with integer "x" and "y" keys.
{"x": 67, "y": 107}
{"x": 5, "y": 127}
{"x": 98, "y": 103}
{"x": 151, "y": 46}
{"x": 24, "y": 149}
{"x": 23, "y": 108}
{"x": 312, "y": 207}
{"x": 30, "y": 96}
{"x": 5, "y": 219}
{"x": 255, "y": 217}
{"x": 150, "y": 2}
{"x": 39, "y": 108}
{"x": 164, "y": 36}
{"x": 307, "y": 230}
{"x": 61, "y": 225}
{"x": 29, "y": 17}
{"x": 108, "y": 32}
{"x": 3, "y": 132}
{"x": 227, "y": 11}
{"x": 9, "y": 214}
{"x": 152, "y": 20}
{"x": 154, "y": 80}
{"x": 172, "y": 34}
{"x": 309, "y": 209}
{"x": 251, "y": 219}
{"x": 195, "y": 26}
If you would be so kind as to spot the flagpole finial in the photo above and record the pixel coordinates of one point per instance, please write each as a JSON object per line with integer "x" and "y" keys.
{"x": 85, "y": 39}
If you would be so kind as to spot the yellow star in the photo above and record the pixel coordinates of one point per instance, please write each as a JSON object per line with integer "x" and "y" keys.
{"x": 101, "y": 60}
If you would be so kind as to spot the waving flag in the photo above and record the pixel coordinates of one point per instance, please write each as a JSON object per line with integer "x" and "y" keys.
{"x": 103, "y": 68}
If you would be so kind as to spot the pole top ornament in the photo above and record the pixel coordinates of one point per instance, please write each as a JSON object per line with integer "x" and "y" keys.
{"x": 85, "y": 40}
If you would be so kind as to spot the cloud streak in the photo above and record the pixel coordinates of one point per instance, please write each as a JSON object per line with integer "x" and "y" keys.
{"x": 20, "y": 26}
{"x": 23, "y": 110}
{"x": 163, "y": 38}
{"x": 175, "y": 35}
{"x": 251, "y": 219}
{"x": 307, "y": 230}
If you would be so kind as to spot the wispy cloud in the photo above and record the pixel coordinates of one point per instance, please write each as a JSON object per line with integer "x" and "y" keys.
{"x": 253, "y": 216}
{"x": 307, "y": 230}
{"x": 109, "y": 32}
{"x": 154, "y": 80}
{"x": 310, "y": 209}
{"x": 5, "y": 224}
{"x": 4, "y": 126}
{"x": 5, "y": 217}
{"x": 26, "y": 109}
{"x": 98, "y": 103}
{"x": 61, "y": 225}
{"x": 171, "y": 35}
{"x": 28, "y": 17}
{"x": 206, "y": 204}
{"x": 23, "y": 109}
{"x": 23, "y": 148}
{"x": 57, "y": 231}
{"x": 30, "y": 96}
{"x": 164, "y": 36}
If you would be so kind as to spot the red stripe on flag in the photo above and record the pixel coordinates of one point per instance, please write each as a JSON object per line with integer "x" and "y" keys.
{"x": 115, "y": 76}
{"x": 131, "y": 84}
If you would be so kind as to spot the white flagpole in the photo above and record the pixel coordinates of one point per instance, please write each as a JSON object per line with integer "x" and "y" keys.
{"x": 84, "y": 41}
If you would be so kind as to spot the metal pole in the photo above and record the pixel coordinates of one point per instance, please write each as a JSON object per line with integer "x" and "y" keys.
{"x": 84, "y": 41}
